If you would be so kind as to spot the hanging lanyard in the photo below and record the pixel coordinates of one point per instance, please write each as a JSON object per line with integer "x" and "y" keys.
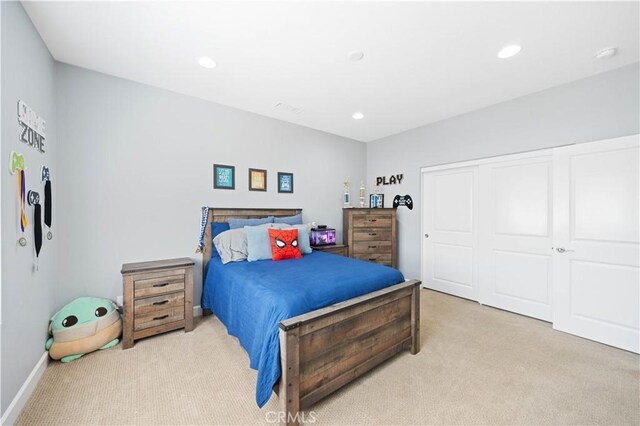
{"x": 21, "y": 188}
{"x": 203, "y": 225}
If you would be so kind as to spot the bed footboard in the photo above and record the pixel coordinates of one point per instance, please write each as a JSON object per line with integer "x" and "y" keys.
{"x": 323, "y": 350}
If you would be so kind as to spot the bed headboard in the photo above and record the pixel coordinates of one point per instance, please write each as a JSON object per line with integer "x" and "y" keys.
{"x": 223, "y": 215}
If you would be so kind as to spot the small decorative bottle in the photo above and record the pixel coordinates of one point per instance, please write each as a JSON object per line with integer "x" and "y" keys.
{"x": 362, "y": 190}
{"x": 346, "y": 199}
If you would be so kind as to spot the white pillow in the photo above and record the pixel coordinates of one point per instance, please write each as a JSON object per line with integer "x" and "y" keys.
{"x": 231, "y": 245}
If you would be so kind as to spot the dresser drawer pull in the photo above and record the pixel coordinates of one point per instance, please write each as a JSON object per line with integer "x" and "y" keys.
{"x": 162, "y": 317}
{"x": 373, "y": 234}
{"x": 161, "y": 303}
{"x": 373, "y": 259}
{"x": 373, "y": 246}
{"x": 161, "y": 285}
{"x": 373, "y": 220}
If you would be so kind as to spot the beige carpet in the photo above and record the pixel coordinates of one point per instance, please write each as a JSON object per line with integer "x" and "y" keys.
{"x": 477, "y": 365}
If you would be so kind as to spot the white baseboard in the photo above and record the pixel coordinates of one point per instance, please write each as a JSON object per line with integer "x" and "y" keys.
{"x": 197, "y": 311}
{"x": 15, "y": 408}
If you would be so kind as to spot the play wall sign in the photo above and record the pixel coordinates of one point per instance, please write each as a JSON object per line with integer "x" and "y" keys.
{"x": 391, "y": 180}
{"x": 33, "y": 128}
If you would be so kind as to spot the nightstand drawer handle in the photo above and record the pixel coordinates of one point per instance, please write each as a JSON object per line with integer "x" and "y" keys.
{"x": 374, "y": 220}
{"x": 162, "y": 317}
{"x": 372, "y": 258}
{"x": 373, "y": 234}
{"x": 373, "y": 246}
{"x": 161, "y": 303}
{"x": 161, "y": 285}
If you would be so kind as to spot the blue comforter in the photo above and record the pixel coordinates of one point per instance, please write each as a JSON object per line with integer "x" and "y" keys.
{"x": 251, "y": 298}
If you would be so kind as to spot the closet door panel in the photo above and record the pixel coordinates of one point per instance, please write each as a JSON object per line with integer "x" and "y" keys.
{"x": 596, "y": 256}
{"x": 510, "y": 281}
{"x": 515, "y": 235}
{"x": 450, "y": 231}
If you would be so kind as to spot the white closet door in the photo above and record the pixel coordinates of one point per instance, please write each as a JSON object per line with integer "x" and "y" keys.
{"x": 516, "y": 236}
{"x": 596, "y": 253}
{"x": 450, "y": 231}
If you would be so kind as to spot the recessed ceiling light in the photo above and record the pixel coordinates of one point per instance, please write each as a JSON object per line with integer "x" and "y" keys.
{"x": 358, "y": 116}
{"x": 207, "y": 62}
{"x": 509, "y": 51}
{"x": 356, "y": 55}
{"x": 606, "y": 53}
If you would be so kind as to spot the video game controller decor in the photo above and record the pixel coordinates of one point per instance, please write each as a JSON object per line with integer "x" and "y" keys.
{"x": 16, "y": 162}
{"x": 403, "y": 200}
{"x": 393, "y": 180}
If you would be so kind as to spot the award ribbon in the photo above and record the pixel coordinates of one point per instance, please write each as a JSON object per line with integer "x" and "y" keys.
{"x": 203, "y": 225}
{"x": 21, "y": 188}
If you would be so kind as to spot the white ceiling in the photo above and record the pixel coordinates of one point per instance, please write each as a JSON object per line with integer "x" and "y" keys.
{"x": 423, "y": 61}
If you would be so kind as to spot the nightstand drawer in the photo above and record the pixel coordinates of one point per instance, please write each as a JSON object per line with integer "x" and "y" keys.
{"x": 155, "y": 304}
{"x": 372, "y": 247}
{"x": 383, "y": 258}
{"x": 372, "y": 235}
{"x": 372, "y": 221}
{"x": 167, "y": 282}
{"x": 159, "y": 317}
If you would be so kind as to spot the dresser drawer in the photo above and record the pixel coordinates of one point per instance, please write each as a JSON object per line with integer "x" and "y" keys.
{"x": 371, "y": 235}
{"x": 372, "y": 221}
{"x": 384, "y": 258}
{"x": 149, "y": 305}
{"x": 146, "y": 285}
{"x": 158, "y": 317}
{"x": 372, "y": 247}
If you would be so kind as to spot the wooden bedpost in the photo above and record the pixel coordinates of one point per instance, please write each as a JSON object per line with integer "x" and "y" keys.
{"x": 289, "y": 392}
{"x": 415, "y": 319}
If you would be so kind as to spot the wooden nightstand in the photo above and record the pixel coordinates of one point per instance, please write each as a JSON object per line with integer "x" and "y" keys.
{"x": 340, "y": 249}
{"x": 158, "y": 297}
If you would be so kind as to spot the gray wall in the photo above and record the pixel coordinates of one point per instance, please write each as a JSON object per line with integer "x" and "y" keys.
{"x": 138, "y": 166}
{"x": 595, "y": 108}
{"x": 28, "y": 73}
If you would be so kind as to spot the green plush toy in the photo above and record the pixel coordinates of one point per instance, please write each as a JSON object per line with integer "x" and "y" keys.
{"x": 84, "y": 325}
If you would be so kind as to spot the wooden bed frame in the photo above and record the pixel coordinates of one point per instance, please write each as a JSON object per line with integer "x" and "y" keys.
{"x": 325, "y": 349}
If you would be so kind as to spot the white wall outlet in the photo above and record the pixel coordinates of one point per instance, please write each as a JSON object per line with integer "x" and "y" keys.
{"x": 119, "y": 301}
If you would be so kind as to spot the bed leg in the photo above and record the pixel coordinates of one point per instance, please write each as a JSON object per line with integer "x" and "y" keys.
{"x": 289, "y": 392}
{"x": 415, "y": 320}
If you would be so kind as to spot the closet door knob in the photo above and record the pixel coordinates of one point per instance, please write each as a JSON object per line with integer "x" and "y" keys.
{"x": 426, "y": 235}
{"x": 563, "y": 250}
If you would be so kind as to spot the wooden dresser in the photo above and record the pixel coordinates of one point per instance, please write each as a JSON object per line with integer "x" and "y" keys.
{"x": 370, "y": 235}
{"x": 158, "y": 297}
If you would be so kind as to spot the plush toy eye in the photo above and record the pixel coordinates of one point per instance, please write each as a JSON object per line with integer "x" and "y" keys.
{"x": 69, "y": 321}
{"x": 100, "y": 312}
{"x": 294, "y": 243}
{"x": 280, "y": 243}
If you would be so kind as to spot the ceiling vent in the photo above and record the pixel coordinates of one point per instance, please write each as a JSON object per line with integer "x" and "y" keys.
{"x": 288, "y": 108}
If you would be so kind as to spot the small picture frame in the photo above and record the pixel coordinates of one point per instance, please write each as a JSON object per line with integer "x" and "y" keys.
{"x": 257, "y": 180}
{"x": 285, "y": 183}
{"x": 224, "y": 177}
{"x": 376, "y": 201}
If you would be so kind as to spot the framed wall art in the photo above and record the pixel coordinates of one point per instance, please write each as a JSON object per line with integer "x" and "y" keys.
{"x": 224, "y": 177}
{"x": 376, "y": 201}
{"x": 285, "y": 183}
{"x": 257, "y": 180}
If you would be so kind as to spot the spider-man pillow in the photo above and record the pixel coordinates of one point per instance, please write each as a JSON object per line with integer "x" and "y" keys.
{"x": 284, "y": 244}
